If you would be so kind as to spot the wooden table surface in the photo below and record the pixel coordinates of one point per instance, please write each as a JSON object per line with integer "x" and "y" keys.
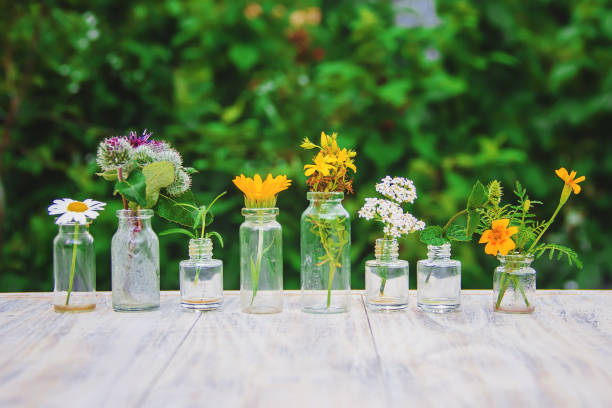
{"x": 561, "y": 355}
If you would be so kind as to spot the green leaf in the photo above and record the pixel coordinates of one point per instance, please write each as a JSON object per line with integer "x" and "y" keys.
{"x": 172, "y": 210}
{"x": 157, "y": 176}
{"x": 473, "y": 220}
{"x": 190, "y": 170}
{"x": 457, "y": 233}
{"x": 177, "y": 231}
{"x": 198, "y": 219}
{"x": 478, "y": 197}
{"x": 433, "y": 236}
{"x": 217, "y": 235}
{"x": 572, "y": 256}
{"x": 108, "y": 175}
{"x": 209, "y": 218}
{"x": 133, "y": 188}
{"x": 244, "y": 56}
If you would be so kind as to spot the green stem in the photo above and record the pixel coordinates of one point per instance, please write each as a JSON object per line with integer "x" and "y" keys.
{"x": 503, "y": 285}
{"x": 518, "y": 283}
{"x": 72, "y": 267}
{"x": 546, "y": 227}
{"x": 255, "y": 273}
{"x": 453, "y": 218}
{"x": 332, "y": 271}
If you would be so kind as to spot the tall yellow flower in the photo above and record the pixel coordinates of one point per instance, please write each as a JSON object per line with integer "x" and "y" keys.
{"x": 260, "y": 193}
{"x": 498, "y": 237}
{"x": 321, "y": 166}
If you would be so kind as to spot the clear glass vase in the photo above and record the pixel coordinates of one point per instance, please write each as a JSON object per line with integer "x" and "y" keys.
{"x": 261, "y": 261}
{"x": 386, "y": 278}
{"x": 201, "y": 277}
{"x": 135, "y": 262}
{"x": 514, "y": 284}
{"x": 439, "y": 280}
{"x": 325, "y": 241}
{"x": 74, "y": 269}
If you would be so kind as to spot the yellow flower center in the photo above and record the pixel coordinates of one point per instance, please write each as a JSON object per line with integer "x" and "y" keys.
{"x": 77, "y": 206}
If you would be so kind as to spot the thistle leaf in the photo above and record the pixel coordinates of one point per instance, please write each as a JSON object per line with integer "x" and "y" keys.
{"x": 157, "y": 176}
{"x": 133, "y": 188}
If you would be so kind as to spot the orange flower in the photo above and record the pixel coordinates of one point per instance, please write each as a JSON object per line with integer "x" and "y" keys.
{"x": 498, "y": 237}
{"x": 570, "y": 179}
{"x": 260, "y": 193}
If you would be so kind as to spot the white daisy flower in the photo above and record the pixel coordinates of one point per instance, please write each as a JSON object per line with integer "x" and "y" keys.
{"x": 70, "y": 210}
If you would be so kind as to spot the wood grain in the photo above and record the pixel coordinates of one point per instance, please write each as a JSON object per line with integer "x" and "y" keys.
{"x": 559, "y": 356}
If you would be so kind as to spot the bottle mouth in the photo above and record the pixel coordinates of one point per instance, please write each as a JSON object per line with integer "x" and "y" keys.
{"x": 515, "y": 257}
{"x": 260, "y": 212}
{"x": 142, "y": 214}
{"x": 72, "y": 224}
{"x": 325, "y": 196}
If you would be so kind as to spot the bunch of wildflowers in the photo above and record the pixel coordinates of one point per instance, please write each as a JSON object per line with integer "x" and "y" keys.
{"x": 119, "y": 156}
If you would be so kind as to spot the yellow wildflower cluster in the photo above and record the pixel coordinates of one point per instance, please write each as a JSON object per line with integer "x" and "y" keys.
{"x": 330, "y": 169}
{"x": 260, "y": 193}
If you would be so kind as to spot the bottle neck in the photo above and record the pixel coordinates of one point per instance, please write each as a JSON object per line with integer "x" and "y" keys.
{"x": 435, "y": 252}
{"x": 386, "y": 250}
{"x": 139, "y": 219}
{"x": 260, "y": 215}
{"x": 200, "y": 249}
{"x": 515, "y": 261}
{"x": 73, "y": 228}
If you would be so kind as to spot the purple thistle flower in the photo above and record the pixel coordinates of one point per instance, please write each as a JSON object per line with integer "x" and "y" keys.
{"x": 136, "y": 140}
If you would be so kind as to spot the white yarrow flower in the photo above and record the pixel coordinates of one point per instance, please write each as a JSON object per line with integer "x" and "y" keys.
{"x": 70, "y": 210}
{"x": 396, "y": 222}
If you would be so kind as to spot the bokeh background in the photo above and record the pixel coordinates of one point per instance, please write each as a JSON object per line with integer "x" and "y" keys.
{"x": 444, "y": 93}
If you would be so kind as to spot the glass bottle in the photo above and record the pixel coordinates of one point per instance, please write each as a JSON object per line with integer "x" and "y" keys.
{"x": 201, "y": 277}
{"x": 386, "y": 278}
{"x": 261, "y": 261}
{"x": 514, "y": 284}
{"x": 74, "y": 269}
{"x": 135, "y": 262}
{"x": 325, "y": 243}
{"x": 439, "y": 280}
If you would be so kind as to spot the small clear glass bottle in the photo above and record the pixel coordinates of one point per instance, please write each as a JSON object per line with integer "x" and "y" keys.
{"x": 325, "y": 244}
{"x": 135, "y": 262}
{"x": 201, "y": 277}
{"x": 439, "y": 280}
{"x": 514, "y": 284}
{"x": 261, "y": 261}
{"x": 386, "y": 278}
{"x": 74, "y": 269}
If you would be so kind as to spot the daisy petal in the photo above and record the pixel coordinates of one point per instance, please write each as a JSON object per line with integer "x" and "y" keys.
{"x": 80, "y": 218}
{"x": 64, "y": 219}
{"x": 91, "y": 214}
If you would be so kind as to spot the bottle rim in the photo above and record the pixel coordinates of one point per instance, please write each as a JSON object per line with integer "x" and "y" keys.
{"x": 325, "y": 195}
{"x": 141, "y": 214}
{"x": 516, "y": 257}
{"x": 260, "y": 212}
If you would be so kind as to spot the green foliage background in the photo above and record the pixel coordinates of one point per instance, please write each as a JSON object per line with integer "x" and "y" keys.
{"x": 499, "y": 89}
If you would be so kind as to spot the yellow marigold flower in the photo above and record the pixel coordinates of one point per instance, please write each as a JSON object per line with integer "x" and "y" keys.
{"x": 498, "y": 237}
{"x": 260, "y": 193}
{"x": 320, "y": 166}
{"x": 307, "y": 144}
{"x": 570, "y": 179}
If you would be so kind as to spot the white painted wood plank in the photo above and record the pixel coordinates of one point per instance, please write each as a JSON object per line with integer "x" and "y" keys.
{"x": 558, "y": 356}
{"x": 101, "y": 358}
{"x": 289, "y": 359}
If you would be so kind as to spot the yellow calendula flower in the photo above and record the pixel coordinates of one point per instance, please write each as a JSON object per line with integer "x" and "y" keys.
{"x": 321, "y": 165}
{"x": 498, "y": 237}
{"x": 260, "y": 193}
